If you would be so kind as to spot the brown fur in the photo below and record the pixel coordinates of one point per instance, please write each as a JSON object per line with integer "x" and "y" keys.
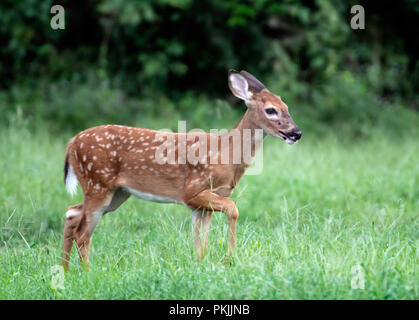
{"x": 109, "y": 159}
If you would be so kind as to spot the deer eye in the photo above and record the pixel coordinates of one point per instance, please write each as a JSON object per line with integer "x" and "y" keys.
{"x": 271, "y": 111}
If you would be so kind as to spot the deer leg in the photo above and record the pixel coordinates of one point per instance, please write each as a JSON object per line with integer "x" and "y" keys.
{"x": 209, "y": 201}
{"x": 206, "y": 223}
{"x": 201, "y": 221}
{"x": 232, "y": 217}
{"x": 75, "y": 221}
{"x": 73, "y": 216}
{"x": 196, "y": 225}
{"x": 93, "y": 209}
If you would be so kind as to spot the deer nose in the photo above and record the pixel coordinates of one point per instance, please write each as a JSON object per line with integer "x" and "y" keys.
{"x": 296, "y": 134}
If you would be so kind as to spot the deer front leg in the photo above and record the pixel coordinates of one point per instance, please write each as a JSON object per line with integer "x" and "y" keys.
{"x": 209, "y": 201}
{"x": 206, "y": 223}
{"x": 201, "y": 219}
{"x": 196, "y": 226}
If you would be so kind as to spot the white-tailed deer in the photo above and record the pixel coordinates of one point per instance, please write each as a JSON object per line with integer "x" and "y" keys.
{"x": 112, "y": 162}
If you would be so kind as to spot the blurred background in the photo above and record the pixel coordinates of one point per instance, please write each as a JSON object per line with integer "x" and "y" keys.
{"x": 346, "y": 194}
{"x": 152, "y": 62}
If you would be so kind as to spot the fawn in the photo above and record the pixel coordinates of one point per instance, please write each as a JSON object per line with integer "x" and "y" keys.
{"x": 113, "y": 162}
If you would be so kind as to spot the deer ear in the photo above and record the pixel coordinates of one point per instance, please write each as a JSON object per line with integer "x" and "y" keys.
{"x": 254, "y": 84}
{"x": 238, "y": 85}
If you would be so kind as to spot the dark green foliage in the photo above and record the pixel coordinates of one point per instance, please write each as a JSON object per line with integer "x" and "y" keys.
{"x": 118, "y": 58}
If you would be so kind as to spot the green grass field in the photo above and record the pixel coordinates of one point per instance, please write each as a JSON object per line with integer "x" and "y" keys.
{"x": 319, "y": 209}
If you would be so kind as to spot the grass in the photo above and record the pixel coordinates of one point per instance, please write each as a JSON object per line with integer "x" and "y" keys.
{"x": 318, "y": 209}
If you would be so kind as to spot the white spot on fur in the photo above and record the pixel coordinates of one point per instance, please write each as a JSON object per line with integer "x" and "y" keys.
{"x": 72, "y": 213}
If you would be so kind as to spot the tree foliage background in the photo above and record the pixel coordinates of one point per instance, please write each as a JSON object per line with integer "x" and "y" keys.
{"x": 130, "y": 61}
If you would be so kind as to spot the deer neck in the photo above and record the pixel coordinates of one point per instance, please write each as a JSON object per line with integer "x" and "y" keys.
{"x": 247, "y": 124}
{"x": 250, "y": 140}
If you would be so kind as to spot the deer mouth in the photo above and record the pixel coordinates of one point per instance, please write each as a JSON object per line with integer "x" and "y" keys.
{"x": 287, "y": 138}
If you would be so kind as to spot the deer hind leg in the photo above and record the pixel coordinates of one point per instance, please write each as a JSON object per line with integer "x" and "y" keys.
{"x": 206, "y": 201}
{"x": 73, "y": 216}
{"x": 77, "y": 226}
{"x": 93, "y": 210}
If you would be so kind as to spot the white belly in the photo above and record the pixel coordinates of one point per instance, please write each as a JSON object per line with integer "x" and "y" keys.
{"x": 151, "y": 197}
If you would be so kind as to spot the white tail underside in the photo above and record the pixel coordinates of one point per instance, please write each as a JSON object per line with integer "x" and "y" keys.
{"x": 71, "y": 181}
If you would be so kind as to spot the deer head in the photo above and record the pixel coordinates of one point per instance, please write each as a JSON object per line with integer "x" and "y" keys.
{"x": 266, "y": 110}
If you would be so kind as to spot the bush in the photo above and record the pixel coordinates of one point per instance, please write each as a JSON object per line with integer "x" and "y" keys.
{"x": 172, "y": 46}
{"x": 143, "y": 62}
